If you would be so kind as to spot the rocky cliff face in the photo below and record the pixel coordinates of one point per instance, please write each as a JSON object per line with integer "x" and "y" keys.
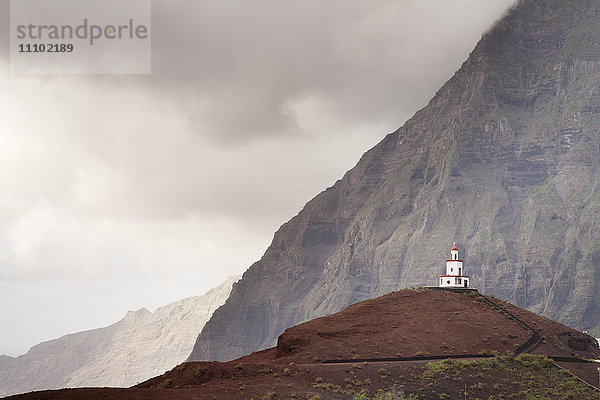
{"x": 141, "y": 345}
{"x": 504, "y": 161}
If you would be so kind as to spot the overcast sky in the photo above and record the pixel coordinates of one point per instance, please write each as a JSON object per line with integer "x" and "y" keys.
{"x": 122, "y": 192}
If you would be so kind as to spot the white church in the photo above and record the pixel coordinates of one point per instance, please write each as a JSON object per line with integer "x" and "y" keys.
{"x": 455, "y": 272}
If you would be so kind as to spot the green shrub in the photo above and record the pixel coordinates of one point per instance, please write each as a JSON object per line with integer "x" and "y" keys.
{"x": 180, "y": 367}
{"x": 534, "y": 361}
{"x": 265, "y": 371}
{"x": 269, "y": 396}
{"x": 166, "y": 383}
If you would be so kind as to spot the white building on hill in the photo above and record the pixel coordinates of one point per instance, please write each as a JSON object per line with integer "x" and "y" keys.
{"x": 455, "y": 272}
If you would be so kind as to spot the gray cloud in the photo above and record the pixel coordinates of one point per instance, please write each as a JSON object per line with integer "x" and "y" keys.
{"x": 178, "y": 179}
{"x": 363, "y": 59}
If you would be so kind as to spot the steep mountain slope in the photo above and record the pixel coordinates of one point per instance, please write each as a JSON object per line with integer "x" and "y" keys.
{"x": 141, "y": 345}
{"x": 504, "y": 161}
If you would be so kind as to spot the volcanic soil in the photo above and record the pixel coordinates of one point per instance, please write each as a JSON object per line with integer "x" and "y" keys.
{"x": 426, "y": 343}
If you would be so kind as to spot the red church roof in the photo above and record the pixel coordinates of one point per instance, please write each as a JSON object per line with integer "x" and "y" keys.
{"x": 454, "y": 248}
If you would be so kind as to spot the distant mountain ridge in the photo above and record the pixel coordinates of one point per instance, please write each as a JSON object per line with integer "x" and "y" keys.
{"x": 504, "y": 161}
{"x": 139, "y": 346}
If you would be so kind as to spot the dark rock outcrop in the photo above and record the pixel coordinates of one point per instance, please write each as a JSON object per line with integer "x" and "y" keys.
{"x": 504, "y": 160}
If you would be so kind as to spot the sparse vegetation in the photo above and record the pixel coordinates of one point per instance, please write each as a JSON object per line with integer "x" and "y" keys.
{"x": 391, "y": 394}
{"x": 265, "y": 371}
{"x": 166, "y": 383}
{"x": 327, "y": 387}
{"x": 383, "y": 372}
{"x": 531, "y": 382}
{"x": 180, "y": 367}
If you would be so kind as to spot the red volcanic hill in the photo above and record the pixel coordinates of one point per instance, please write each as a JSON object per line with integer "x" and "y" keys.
{"x": 392, "y": 344}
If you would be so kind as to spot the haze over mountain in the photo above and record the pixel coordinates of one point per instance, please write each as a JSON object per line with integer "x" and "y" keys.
{"x": 503, "y": 161}
{"x": 252, "y": 107}
{"x": 139, "y": 346}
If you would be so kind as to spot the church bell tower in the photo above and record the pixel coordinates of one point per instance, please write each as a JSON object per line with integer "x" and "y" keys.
{"x": 455, "y": 272}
